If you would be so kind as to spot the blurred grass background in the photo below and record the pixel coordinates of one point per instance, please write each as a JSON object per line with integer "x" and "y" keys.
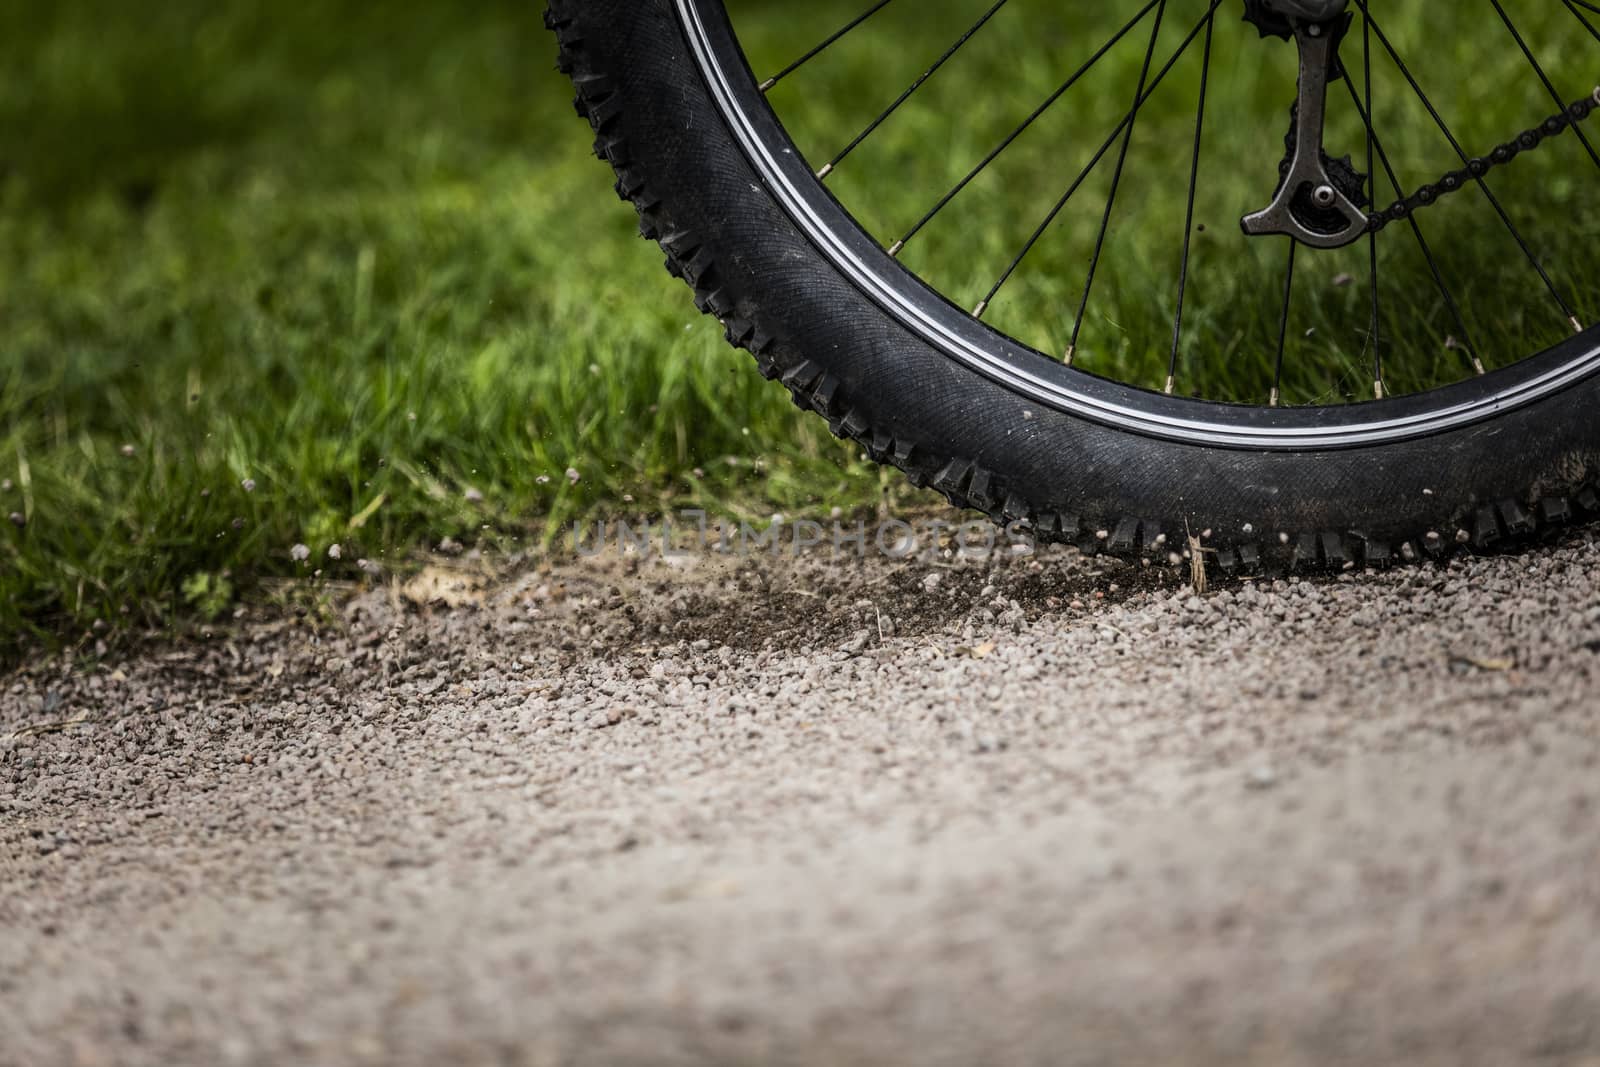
{"x": 1233, "y": 306}
{"x": 343, "y": 273}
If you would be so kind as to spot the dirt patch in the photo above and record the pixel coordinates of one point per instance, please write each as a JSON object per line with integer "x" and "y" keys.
{"x": 1010, "y": 811}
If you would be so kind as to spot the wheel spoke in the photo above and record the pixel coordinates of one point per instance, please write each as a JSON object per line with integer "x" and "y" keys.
{"x": 824, "y": 45}
{"x": 1465, "y": 342}
{"x": 1483, "y": 184}
{"x": 1100, "y": 153}
{"x": 1572, "y": 6}
{"x": 1283, "y": 326}
{"x": 1011, "y": 138}
{"x": 1375, "y": 332}
{"x": 949, "y": 54}
{"x": 1116, "y": 182}
{"x": 1188, "y": 220}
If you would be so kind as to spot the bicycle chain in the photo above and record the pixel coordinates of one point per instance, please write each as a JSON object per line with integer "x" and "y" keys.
{"x": 1475, "y": 169}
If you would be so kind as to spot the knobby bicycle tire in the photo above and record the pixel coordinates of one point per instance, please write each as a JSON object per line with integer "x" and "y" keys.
{"x": 1505, "y": 478}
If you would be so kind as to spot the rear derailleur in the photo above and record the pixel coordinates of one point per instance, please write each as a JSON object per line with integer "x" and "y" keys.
{"x": 1320, "y": 201}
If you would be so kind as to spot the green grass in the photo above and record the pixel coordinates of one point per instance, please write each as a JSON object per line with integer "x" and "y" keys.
{"x": 358, "y": 257}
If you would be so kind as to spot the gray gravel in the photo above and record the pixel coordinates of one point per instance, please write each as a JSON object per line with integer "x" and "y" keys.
{"x": 1039, "y": 811}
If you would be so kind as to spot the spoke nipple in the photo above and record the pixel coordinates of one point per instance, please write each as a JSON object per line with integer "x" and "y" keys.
{"x": 1477, "y": 365}
{"x": 1378, "y": 390}
{"x": 764, "y": 86}
{"x": 1577, "y": 327}
{"x": 1072, "y": 350}
{"x": 977, "y": 312}
{"x": 894, "y": 249}
{"x": 1172, "y": 383}
{"x": 824, "y": 172}
{"x": 1273, "y": 400}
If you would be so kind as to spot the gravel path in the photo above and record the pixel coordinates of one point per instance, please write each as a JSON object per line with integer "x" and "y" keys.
{"x": 1041, "y": 811}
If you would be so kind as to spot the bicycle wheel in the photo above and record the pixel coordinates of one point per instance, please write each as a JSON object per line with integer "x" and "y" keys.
{"x": 1034, "y": 294}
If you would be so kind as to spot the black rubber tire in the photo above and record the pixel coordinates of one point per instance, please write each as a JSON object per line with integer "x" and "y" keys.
{"x": 1498, "y": 482}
